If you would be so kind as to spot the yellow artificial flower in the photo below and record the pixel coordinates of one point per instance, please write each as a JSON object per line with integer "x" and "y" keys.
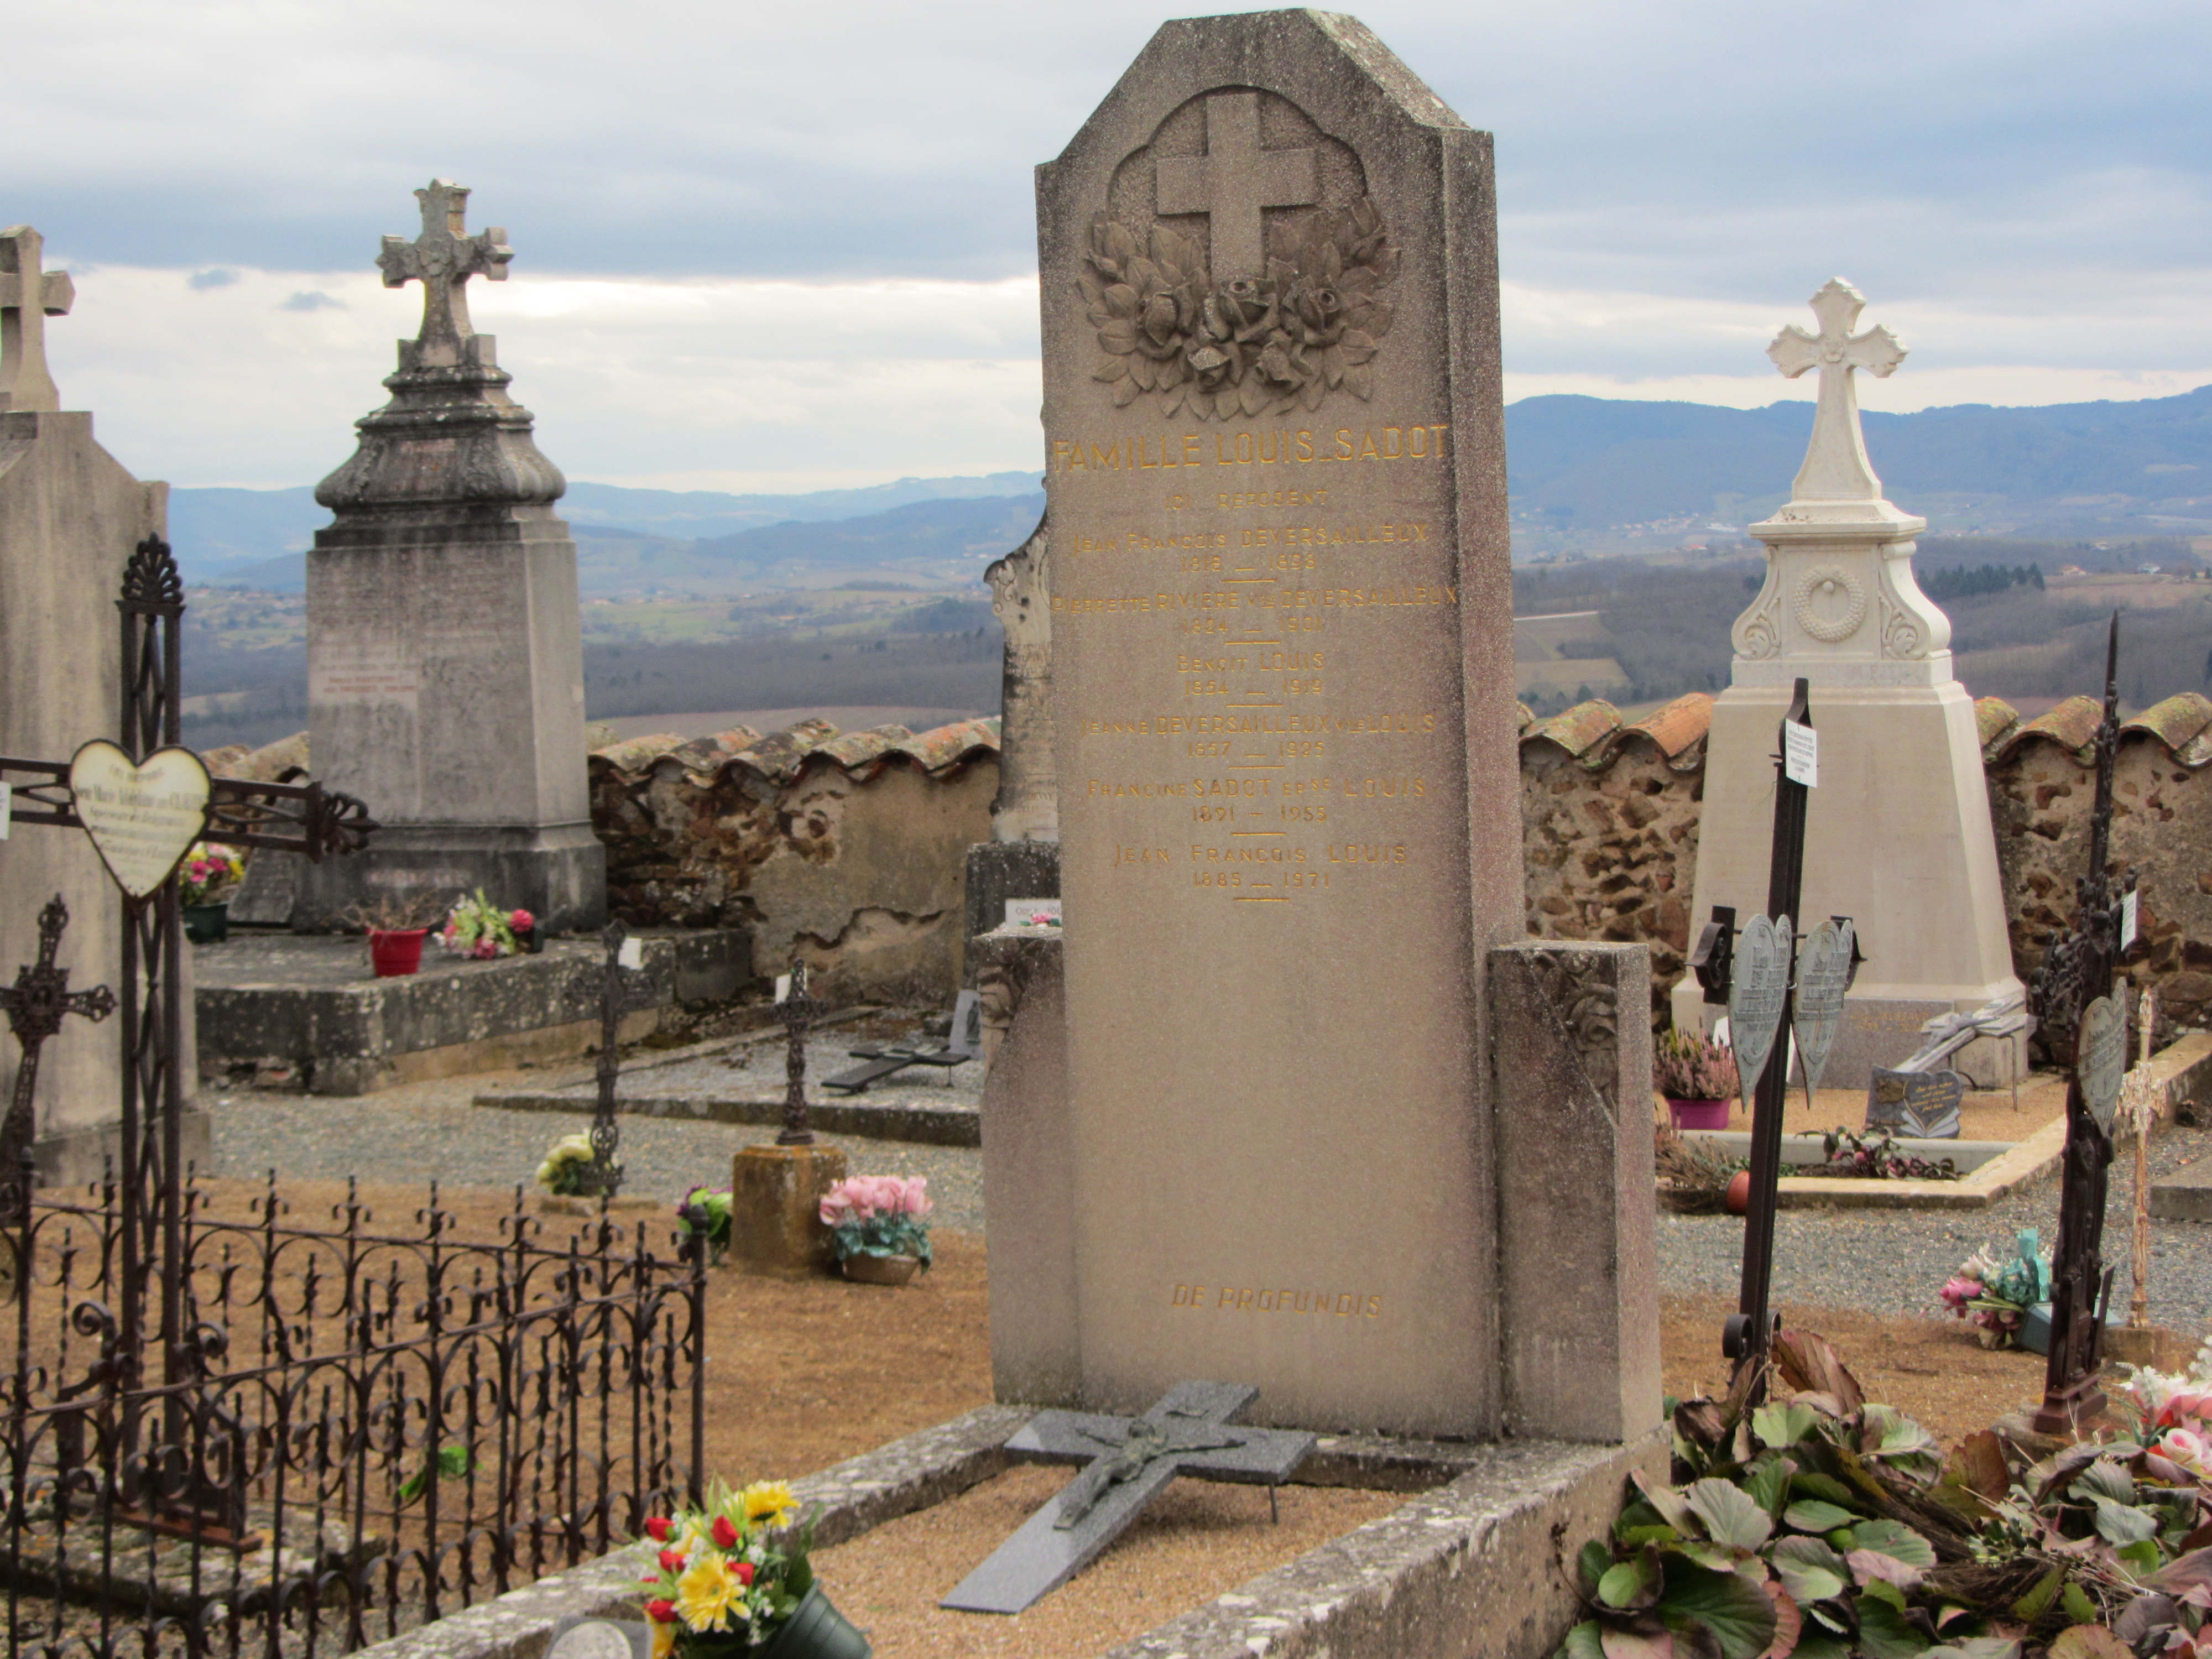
{"x": 664, "y": 1639}
{"x": 706, "y": 1592}
{"x": 770, "y": 1501}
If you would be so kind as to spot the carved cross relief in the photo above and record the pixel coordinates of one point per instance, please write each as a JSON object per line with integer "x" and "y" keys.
{"x": 27, "y": 297}
{"x": 1835, "y": 466}
{"x": 443, "y": 258}
{"x": 1235, "y": 181}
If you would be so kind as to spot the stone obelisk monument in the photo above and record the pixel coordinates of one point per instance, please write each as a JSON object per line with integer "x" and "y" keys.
{"x": 1898, "y": 835}
{"x": 70, "y": 516}
{"x": 444, "y": 660}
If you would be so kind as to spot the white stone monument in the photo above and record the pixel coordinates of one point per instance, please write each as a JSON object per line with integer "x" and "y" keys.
{"x": 1898, "y": 836}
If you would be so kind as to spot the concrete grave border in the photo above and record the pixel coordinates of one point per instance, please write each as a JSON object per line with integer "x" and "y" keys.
{"x": 1452, "y": 1571}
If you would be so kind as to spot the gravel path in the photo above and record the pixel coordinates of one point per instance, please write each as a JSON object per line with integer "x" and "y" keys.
{"x": 1887, "y": 1262}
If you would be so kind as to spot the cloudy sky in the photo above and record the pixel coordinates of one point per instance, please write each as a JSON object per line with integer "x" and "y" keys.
{"x": 786, "y": 248}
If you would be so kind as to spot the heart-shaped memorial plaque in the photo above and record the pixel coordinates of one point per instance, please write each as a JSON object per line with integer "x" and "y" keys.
{"x": 1757, "y": 983}
{"x": 1824, "y": 970}
{"x": 143, "y": 817}
{"x": 2100, "y": 1057}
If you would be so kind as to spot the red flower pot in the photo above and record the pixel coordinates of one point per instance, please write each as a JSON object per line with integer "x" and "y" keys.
{"x": 1699, "y": 1114}
{"x": 1737, "y": 1199}
{"x": 398, "y": 953}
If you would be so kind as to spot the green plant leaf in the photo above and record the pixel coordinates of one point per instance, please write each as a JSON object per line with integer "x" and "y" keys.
{"x": 1730, "y": 1515}
{"x": 1976, "y": 1647}
{"x": 1632, "y": 1585}
{"x": 1581, "y": 1643}
{"x": 2036, "y": 1600}
{"x": 2089, "y": 1642}
{"x": 1814, "y": 1515}
{"x": 1811, "y": 1483}
{"x": 2104, "y": 1479}
{"x": 1808, "y": 1570}
{"x": 1889, "y": 1433}
{"x": 1731, "y": 1609}
{"x": 1717, "y": 1557}
{"x": 1872, "y": 1567}
{"x": 2122, "y": 1523}
{"x": 2142, "y": 1560}
{"x": 1768, "y": 1483}
{"x": 1819, "y": 1644}
{"x": 1591, "y": 1562}
{"x": 1782, "y": 1425}
{"x": 1883, "y": 1591}
{"x": 1635, "y": 1538}
{"x": 2079, "y": 1608}
{"x": 1668, "y": 1501}
{"x": 1884, "y": 1631}
{"x": 1894, "y": 1538}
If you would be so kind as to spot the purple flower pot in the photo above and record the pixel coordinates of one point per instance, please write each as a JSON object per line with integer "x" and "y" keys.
{"x": 1699, "y": 1114}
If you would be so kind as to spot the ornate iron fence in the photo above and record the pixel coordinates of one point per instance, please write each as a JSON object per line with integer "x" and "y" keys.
{"x": 360, "y": 1431}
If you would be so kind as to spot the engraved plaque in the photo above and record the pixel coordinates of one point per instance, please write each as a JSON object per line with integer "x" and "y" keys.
{"x": 1756, "y": 990}
{"x": 143, "y": 818}
{"x": 1918, "y": 1105}
{"x": 1824, "y": 968}
{"x": 2100, "y": 1057}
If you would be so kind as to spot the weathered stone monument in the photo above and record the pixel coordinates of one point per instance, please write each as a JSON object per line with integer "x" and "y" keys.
{"x": 445, "y": 659}
{"x": 70, "y": 516}
{"x": 1022, "y": 858}
{"x": 1264, "y": 1145}
{"x": 1898, "y": 835}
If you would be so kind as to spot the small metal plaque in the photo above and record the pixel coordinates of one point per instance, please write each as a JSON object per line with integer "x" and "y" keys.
{"x": 2100, "y": 1057}
{"x": 1756, "y": 990}
{"x": 1801, "y": 754}
{"x": 600, "y": 1639}
{"x": 1918, "y": 1105}
{"x": 1823, "y": 970}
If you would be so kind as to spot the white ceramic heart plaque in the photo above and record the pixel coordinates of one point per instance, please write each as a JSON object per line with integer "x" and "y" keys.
{"x": 1758, "y": 981}
{"x": 143, "y": 817}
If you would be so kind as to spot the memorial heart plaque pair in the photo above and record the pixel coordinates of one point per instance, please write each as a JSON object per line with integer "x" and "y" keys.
{"x": 142, "y": 816}
{"x": 1759, "y": 982}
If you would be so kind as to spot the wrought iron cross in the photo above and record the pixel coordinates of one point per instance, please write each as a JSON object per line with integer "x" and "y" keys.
{"x": 1836, "y": 467}
{"x": 603, "y": 1175}
{"x": 37, "y": 1003}
{"x": 797, "y": 1010}
{"x": 443, "y": 258}
{"x": 1235, "y": 181}
{"x": 28, "y": 296}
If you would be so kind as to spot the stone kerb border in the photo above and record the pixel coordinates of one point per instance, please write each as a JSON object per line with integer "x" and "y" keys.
{"x": 1483, "y": 1555}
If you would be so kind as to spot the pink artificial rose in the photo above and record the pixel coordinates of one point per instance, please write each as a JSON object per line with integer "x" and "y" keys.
{"x": 2183, "y": 1407}
{"x": 2192, "y": 1451}
{"x": 836, "y": 1206}
{"x": 522, "y": 921}
{"x": 485, "y": 948}
{"x": 1958, "y": 1292}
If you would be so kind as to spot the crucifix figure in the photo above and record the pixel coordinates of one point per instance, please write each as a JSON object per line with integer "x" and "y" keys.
{"x": 797, "y": 1010}
{"x": 1234, "y": 181}
{"x": 1130, "y": 1463}
{"x": 1835, "y": 466}
{"x": 37, "y": 1003}
{"x": 443, "y": 258}
{"x": 28, "y": 296}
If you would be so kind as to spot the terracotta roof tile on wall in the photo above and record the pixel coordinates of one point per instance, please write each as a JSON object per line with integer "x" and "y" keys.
{"x": 1993, "y": 718}
{"x": 1577, "y": 730}
{"x": 780, "y": 756}
{"x": 1680, "y": 728}
{"x": 1592, "y": 732}
{"x": 2182, "y": 723}
{"x": 2072, "y": 726}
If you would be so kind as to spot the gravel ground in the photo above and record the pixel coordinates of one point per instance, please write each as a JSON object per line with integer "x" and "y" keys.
{"x": 1885, "y": 1261}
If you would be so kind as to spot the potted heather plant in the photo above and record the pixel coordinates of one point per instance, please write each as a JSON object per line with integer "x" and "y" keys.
{"x": 735, "y": 1583}
{"x": 876, "y": 1226}
{"x": 1698, "y": 1078}
{"x": 206, "y": 881}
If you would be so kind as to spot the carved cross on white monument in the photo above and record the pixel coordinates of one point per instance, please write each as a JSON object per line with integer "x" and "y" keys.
{"x": 443, "y": 258}
{"x": 1234, "y": 180}
{"x": 1835, "y": 466}
{"x": 27, "y": 297}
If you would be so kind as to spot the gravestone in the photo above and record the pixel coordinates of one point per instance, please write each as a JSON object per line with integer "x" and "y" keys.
{"x": 445, "y": 658}
{"x": 1022, "y": 858}
{"x": 70, "y": 516}
{"x": 1289, "y": 800}
{"x": 1918, "y": 1105}
{"x": 1898, "y": 836}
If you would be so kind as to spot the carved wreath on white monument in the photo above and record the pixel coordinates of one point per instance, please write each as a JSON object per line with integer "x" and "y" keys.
{"x": 1267, "y": 344}
{"x": 1831, "y": 604}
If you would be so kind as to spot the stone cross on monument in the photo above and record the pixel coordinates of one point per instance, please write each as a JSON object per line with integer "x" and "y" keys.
{"x": 1235, "y": 181}
{"x": 443, "y": 258}
{"x": 27, "y": 297}
{"x": 1836, "y": 467}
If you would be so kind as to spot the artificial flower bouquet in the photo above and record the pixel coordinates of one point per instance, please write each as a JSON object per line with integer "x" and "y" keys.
{"x": 879, "y": 1215}
{"x": 704, "y": 1212}
{"x": 562, "y": 1174}
{"x": 1995, "y": 1295}
{"x": 2176, "y": 1413}
{"x": 478, "y": 928}
{"x": 210, "y": 874}
{"x": 735, "y": 1575}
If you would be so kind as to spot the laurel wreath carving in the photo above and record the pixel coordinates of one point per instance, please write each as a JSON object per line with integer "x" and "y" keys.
{"x": 1823, "y": 580}
{"x": 1266, "y": 345}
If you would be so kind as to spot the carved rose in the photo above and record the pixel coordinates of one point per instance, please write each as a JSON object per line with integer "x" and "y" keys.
{"x": 1263, "y": 345}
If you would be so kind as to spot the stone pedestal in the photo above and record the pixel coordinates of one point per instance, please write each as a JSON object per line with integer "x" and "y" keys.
{"x": 776, "y": 1198}
{"x": 1898, "y": 831}
{"x": 1002, "y": 869}
{"x": 1577, "y": 1213}
{"x": 445, "y": 658}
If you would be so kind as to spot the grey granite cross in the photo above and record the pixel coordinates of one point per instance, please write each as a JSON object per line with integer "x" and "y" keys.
{"x": 443, "y": 258}
{"x": 1130, "y": 1461}
{"x": 1234, "y": 180}
{"x": 28, "y": 296}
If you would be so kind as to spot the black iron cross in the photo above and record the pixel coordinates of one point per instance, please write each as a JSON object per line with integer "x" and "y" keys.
{"x": 797, "y": 1010}
{"x": 1130, "y": 1463}
{"x": 603, "y": 1175}
{"x": 2078, "y": 969}
{"x": 37, "y": 1003}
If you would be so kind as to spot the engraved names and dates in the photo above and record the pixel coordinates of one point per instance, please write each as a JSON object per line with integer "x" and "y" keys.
{"x": 1261, "y": 623}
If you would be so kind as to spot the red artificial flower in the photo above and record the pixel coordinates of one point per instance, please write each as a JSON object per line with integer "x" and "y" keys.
{"x": 522, "y": 921}
{"x": 659, "y": 1529}
{"x": 744, "y": 1573}
{"x": 725, "y": 1533}
{"x": 671, "y": 1560}
{"x": 661, "y": 1612}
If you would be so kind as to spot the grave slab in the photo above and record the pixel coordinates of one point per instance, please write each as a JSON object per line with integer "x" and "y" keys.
{"x": 2184, "y": 1196}
{"x": 312, "y": 1004}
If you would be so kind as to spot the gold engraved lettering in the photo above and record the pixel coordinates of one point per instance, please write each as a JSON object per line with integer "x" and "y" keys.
{"x": 1276, "y": 1299}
